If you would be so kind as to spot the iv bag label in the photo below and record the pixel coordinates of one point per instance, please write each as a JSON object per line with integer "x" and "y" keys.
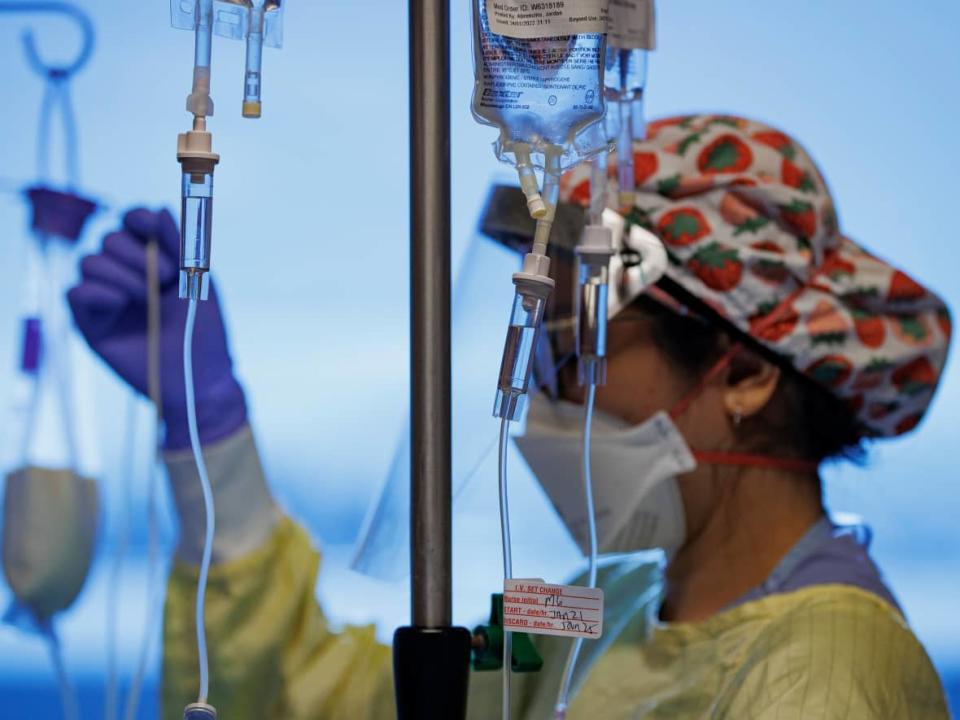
{"x": 537, "y": 607}
{"x": 530, "y": 19}
{"x": 632, "y": 25}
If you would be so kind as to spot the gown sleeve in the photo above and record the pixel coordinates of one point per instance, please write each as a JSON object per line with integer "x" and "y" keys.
{"x": 272, "y": 653}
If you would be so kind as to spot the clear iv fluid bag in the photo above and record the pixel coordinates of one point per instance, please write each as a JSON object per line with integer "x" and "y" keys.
{"x": 632, "y": 35}
{"x": 546, "y": 93}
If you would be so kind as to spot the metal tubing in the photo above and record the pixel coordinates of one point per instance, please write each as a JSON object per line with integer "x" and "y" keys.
{"x": 430, "y": 506}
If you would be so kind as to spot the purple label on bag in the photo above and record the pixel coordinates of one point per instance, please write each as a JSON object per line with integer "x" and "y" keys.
{"x": 30, "y": 361}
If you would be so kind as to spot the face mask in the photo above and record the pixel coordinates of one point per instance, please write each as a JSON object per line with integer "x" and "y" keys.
{"x": 49, "y": 529}
{"x": 636, "y": 496}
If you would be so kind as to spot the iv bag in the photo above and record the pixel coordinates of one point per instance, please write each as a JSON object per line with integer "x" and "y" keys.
{"x": 632, "y": 25}
{"x": 632, "y": 33}
{"x": 545, "y": 93}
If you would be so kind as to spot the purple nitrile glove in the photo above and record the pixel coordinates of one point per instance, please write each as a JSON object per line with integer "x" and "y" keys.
{"x": 110, "y": 308}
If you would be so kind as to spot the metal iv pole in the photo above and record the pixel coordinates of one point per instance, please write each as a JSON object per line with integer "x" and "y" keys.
{"x": 430, "y": 657}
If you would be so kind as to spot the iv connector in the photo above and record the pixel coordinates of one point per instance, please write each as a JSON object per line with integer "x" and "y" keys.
{"x": 195, "y": 148}
{"x": 197, "y": 161}
{"x": 199, "y": 102}
{"x": 194, "y": 284}
{"x": 528, "y": 181}
{"x": 199, "y": 711}
{"x": 593, "y": 270}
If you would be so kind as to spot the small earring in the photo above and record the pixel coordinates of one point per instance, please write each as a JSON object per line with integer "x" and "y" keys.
{"x": 737, "y": 416}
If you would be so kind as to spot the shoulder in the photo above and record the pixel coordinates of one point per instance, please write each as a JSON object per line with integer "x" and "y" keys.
{"x": 843, "y": 560}
{"x": 836, "y": 651}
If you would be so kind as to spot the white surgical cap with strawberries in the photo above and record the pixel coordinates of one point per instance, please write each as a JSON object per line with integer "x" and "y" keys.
{"x": 751, "y": 230}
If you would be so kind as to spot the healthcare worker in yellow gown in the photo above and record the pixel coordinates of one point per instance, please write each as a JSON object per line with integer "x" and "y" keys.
{"x": 772, "y": 343}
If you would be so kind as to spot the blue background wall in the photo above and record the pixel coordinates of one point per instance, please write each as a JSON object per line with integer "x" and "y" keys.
{"x": 316, "y": 293}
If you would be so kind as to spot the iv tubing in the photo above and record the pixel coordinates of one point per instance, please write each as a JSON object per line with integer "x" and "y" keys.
{"x": 55, "y": 329}
{"x": 528, "y": 181}
{"x": 507, "y": 559}
{"x": 564, "y": 695}
{"x": 625, "y": 141}
{"x": 198, "y": 101}
{"x": 207, "y": 498}
{"x": 254, "y": 61}
{"x": 116, "y": 569}
{"x": 153, "y": 554}
{"x": 71, "y": 707}
{"x": 551, "y": 192}
{"x": 598, "y": 188}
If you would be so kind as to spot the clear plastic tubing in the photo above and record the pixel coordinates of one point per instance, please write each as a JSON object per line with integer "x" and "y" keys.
{"x": 563, "y": 696}
{"x": 251, "y": 80}
{"x": 207, "y": 499}
{"x": 195, "y": 230}
{"x": 551, "y": 195}
{"x": 153, "y": 554}
{"x": 626, "y": 79}
{"x": 598, "y": 188}
{"x": 203, "y": 39}
{"x": 625, "y": 166}
{"x": 116, "y": 569}
{"x": 507, "y": 558}
{"x": 68, "y": 695}
{"x": 198, "y": 102}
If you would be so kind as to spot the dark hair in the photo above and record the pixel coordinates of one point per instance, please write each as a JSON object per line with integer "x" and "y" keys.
{"x": 802, "y": 420}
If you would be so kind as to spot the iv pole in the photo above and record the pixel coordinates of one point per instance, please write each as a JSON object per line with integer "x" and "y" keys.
{"x": 431, "y": 657}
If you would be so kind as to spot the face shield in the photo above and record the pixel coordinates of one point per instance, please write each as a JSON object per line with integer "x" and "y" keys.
{"x": 481, "y": 300}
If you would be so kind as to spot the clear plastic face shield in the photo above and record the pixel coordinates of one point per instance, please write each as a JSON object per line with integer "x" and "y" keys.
{"x": 479, "y": 309}
{"x": 505, "y": 232}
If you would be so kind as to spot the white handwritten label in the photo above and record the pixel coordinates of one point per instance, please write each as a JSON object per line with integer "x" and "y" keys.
{"x": 632, "y": 24}
{"x": 537, "y": 607}
{"x": 530, "y": 19}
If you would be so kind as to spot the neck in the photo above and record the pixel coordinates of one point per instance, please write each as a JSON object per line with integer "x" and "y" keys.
{"x": 760, "y": 515}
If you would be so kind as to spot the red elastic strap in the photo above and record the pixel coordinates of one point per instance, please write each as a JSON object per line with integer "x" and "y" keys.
{"x": 717, "y": 457}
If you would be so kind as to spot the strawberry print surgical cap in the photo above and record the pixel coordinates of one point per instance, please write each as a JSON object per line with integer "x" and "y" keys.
{"x": 751, "y": 230}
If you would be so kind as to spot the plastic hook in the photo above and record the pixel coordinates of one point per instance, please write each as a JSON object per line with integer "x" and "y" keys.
{"x": 59, "y": 71}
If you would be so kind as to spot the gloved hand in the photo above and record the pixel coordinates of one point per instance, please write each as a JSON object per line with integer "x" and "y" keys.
{"x": 110, "y": 309}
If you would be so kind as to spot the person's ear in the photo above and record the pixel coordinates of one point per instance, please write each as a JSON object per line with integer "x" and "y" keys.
{"x": 751, "y": 384}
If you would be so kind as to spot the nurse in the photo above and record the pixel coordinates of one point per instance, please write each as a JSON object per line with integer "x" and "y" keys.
{"x": 772, "y": 344}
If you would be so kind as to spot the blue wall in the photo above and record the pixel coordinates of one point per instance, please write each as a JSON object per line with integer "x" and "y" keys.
{"x": 314, "y": 281}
